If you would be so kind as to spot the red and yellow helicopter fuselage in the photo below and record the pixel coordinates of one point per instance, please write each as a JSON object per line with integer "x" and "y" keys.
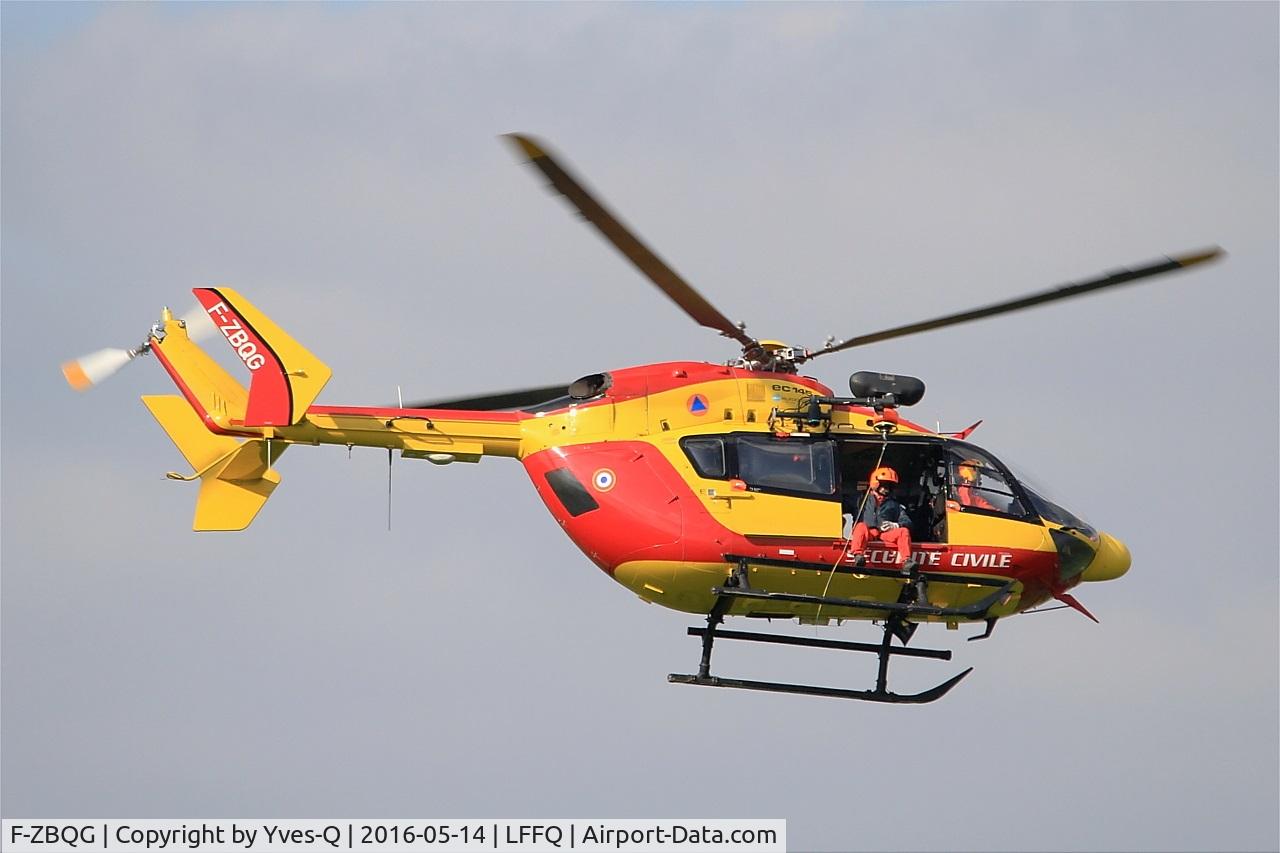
{"x": 669, "y": 477}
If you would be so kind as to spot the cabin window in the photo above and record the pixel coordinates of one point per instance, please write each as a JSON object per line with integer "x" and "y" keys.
{"x": 787, "y": 464}
{"x": 572, "y": 494}
{"x": 790, "y": 466}
{"x": 707, "y": 455}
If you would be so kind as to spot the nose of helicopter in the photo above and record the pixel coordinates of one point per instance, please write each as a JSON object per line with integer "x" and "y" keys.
{"x": 1111, "y": 561}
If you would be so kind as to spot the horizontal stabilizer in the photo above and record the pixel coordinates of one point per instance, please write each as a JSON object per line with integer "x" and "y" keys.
{"x": 200, "y": 447}
{"x": 236, "y": 476}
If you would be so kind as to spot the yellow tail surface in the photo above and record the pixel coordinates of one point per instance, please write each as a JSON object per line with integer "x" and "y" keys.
{"x": 285, "y": 375}
{"x": 223, "y": 430}
{"x": 232, "y": 436}
{"x": 213, "y": 391}
{"x": 236, "y": 477}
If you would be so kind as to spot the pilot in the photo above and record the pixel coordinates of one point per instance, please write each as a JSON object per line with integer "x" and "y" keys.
{"x": 966, "y": 480}
{"x": 885, "y": 519}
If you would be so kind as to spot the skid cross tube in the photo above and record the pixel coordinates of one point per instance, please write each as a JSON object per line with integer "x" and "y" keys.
{"x": 814, "y": 642}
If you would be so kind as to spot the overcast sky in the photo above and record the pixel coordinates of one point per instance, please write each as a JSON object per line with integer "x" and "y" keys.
{"x": 814, "y": 170}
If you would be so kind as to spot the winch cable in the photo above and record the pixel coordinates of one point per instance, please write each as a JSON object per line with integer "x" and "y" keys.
{"x": 884, "y": 444}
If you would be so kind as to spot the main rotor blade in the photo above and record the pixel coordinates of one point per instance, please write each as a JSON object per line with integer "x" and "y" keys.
{"x": 517, "y": 399}
{"x": 1066, "y": 291}
{"x": 645, "y": 260}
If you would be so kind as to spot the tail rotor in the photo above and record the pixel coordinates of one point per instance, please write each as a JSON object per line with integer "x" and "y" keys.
{"x": 95, "y": 368}
{"x": 89, "y": 370}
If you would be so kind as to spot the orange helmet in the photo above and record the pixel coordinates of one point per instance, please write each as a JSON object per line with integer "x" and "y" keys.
{"x": 883, "y": 475}
{"x": 967, "y": 471}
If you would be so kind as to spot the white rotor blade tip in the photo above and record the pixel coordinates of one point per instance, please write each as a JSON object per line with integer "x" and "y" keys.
{"x": 91, "y": 369}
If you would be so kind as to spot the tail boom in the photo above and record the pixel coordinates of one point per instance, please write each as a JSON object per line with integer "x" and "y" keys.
{"x": 413, "y": 431}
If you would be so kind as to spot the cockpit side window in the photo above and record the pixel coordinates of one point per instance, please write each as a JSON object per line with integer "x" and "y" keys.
{"x": 976, "y": 483}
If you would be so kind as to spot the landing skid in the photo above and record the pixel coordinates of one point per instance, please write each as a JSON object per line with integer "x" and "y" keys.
{"x": 882, "y": 649}
{"x": 896, "y": 625}
{"x": 830, "y": 692}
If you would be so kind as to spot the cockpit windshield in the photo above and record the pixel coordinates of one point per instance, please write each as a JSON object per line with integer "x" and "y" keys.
{"x": 1051, "y": 511}
{"x": 1048, "y": 509}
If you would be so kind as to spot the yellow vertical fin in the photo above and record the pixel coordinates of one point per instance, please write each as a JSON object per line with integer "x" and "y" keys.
{"x": 286, "y": 375}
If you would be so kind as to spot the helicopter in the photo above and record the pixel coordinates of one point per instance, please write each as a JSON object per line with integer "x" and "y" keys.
{"x": 711, "y": 489}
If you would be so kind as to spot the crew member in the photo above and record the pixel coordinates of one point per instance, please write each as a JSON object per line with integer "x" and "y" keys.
{"x": 967, "y": 474}
{"x": 885, "y": 519}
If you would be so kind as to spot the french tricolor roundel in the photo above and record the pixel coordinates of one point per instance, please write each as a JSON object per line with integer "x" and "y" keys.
{"x": 698, "y": 405}
{"x": 603, "y": 480}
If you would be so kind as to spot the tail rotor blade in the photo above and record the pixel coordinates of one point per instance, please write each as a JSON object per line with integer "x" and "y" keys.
{"x": 89, "y": 370}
